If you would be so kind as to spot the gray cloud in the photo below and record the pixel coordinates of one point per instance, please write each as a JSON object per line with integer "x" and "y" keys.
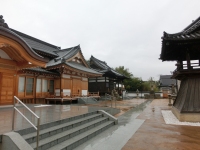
{"x": 119, "y": 32}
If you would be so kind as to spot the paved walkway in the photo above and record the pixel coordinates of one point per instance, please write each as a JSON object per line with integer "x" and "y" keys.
{"x": 154, "y": 134}
{"x": 143, "y": 128}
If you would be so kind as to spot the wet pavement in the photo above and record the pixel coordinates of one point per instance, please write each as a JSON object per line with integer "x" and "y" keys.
{"x": 154, "y": 134}
{"x": 116, "y": 137}
{"x": 49, "y": 113}
{"x": 142, "y": 127}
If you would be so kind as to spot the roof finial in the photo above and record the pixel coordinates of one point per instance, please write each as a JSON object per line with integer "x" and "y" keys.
{"x": 2, "y": 22}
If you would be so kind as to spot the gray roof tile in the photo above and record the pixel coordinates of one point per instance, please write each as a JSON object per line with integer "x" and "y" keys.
{"x": 165, "y": 80}
{"x": 37, "y": 44}
{"x": 104, "y": 68}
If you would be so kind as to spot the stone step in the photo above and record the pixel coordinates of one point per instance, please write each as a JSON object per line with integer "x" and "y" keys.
{"x": 48, "y": 132}
{"x": 55, "y": 123}
{"x": 68, "y": 134}
{"x": 81, "y": 138}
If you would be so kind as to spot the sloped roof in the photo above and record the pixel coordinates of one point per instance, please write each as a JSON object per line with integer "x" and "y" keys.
{"x": 191, "y": 32}
{"x": 37, "y": 44}
{"x": 9, "y": 33}
{"x": 67, "y": 53}
{"x": 166, "y": 81}
{"x": 176, "y": 46}
{"x": 104, "y": 68}
{"x": 101, "y": 64}
{"x": 73, "y": 65}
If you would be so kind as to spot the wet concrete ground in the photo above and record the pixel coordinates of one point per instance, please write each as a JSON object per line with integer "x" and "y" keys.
{"x": 116, "y": 137}
{"x": 154, "y": 134}
{"x": 56, "y": 112}
{"x": 142, "y": 127}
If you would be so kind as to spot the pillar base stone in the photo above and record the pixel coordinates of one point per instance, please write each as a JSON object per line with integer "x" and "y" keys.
{"x": 186, "y": 117}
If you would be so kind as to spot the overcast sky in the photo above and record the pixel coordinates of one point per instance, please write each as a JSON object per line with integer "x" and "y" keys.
{"x": 121, "y": 32}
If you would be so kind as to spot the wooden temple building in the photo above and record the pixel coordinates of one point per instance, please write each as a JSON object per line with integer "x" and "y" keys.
{"x": 109, "y": 81}
{"x": 184, "y": 47}
{"x": 33, "y": 70}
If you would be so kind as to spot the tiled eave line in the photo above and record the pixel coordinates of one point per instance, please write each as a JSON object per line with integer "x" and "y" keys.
{"x": 44, "y": 53}
{"x": 181, "y": 36}
{"x": 37, "y": 73}
{"x": 64, "y": 66}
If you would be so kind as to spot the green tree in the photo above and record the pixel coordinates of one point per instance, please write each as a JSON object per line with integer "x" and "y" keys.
{"x": 124, "y": 71}
{"x": 134, "y": 83}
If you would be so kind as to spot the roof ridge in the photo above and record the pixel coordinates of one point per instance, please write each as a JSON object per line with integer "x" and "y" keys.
{"x": 99, "y": 63}
{"x": 33, "y": 38}
{"x": 192, "y": 26}
{"x": 75, "y": 48}
{"x": 99, "y": 60}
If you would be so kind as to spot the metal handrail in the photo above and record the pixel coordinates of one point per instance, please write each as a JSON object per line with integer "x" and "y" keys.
{"x": 38, "y": 118}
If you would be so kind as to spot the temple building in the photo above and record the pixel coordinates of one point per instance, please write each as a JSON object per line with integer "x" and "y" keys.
{"x": 165, "y": 84}
{"x": 33, "y": 70}
{"x": 109, "y": 81}
{"x": 184, "y": 47}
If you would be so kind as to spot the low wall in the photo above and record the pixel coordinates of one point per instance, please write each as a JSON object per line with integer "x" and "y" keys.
{"x": 142, "y": 94}
{"x": 14, "y": 141}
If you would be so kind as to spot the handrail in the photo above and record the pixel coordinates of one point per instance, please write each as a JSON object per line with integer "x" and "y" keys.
{"x": 38, "y": 118}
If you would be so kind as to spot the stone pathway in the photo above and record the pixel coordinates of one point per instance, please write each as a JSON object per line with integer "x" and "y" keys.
{"x": 155, "y": 134}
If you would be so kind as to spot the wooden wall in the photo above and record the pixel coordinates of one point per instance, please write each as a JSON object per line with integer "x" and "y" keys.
{"x": 7, "y": 81}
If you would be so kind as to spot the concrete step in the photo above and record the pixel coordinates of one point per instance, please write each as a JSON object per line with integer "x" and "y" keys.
{"x": 66, "y": 135}
{"x": 55, "y": 123}
{"x": 48, "y": 132}
{"x": 69, "y": 133}
{"x": 81, "y": 138}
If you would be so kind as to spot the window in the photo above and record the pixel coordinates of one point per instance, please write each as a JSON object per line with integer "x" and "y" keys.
{"x": 21, "y": 84}
{"x": 38, "y": 85}
{"x": 29, "y": 86}
{"x": 44, "y": 85}
{"x": 51, "y": 86}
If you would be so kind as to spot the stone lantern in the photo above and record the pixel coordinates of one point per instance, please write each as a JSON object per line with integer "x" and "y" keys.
{"x": 137, "y": 93}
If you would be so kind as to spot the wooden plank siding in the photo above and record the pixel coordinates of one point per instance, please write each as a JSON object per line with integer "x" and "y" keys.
{"x": 188, "y": 98}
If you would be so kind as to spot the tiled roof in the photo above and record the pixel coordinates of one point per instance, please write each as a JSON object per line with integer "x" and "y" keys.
{"x": 41, "y": 71}
{"x": 81, "y": 67}
{"x": 190, "y": 32}
{"x": 166, "y": 81}
{"x": 99, "y": 63}
{"x": 72, "y": 65}
{"x": 37, "y": 44}
{"x": 67, "y": 53}
{"x": 104, "y": 68}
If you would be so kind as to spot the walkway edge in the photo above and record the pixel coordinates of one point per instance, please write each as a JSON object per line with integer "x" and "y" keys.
{"x": 119, "y": 137}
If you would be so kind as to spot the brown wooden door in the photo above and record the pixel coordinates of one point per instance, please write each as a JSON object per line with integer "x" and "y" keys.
{"x": 76, "y": 86}
{"x": 165, "y": 93}
{"x": 6, "y": 89}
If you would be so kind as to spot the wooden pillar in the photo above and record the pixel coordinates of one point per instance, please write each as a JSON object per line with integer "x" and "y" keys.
{"x": 181, "y": 64}
{"x": 118, "y": 85}
{"x": 35, "y": 100}
{"x": 96, "y": 86}
{"x": 188, "y": 61}
{"x": 105, "y": 84}
{"x": 60, "y": 85}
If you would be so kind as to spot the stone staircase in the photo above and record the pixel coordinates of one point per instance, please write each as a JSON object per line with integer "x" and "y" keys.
{"x": 87, "y": 100}
{"x": 69, "y": 133}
